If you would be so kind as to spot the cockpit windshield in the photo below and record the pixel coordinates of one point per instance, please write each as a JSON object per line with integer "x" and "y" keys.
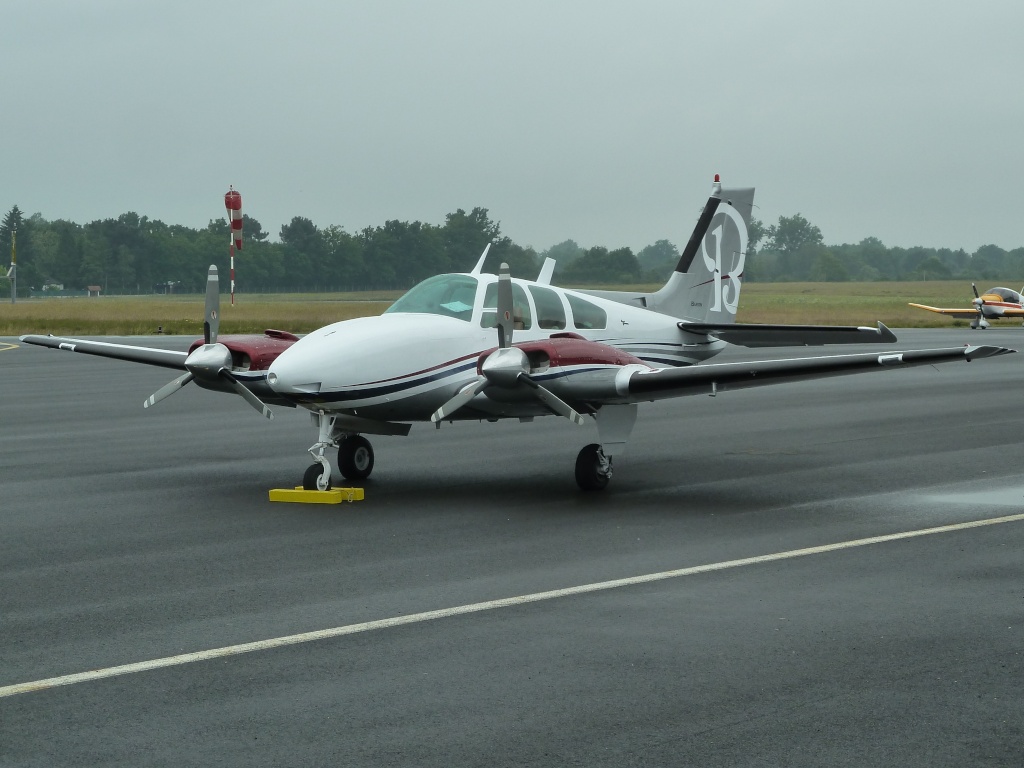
{"x": 449, "y": 295}
{"x": 1005, "y": 294}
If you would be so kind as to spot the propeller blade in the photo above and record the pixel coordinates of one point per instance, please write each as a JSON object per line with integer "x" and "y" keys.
{"x": 552, "y": 401}
{"x": 978, "y": 301}
{"x": 505, "y": 321}
{"x": 462, "y": 397}
{"x": 211, "y": 322}
{"x": 247, "y": 395}
{"x": 167, "y": 390}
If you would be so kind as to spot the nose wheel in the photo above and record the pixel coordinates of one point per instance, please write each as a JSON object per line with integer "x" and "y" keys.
{"x": 317, "y": 478}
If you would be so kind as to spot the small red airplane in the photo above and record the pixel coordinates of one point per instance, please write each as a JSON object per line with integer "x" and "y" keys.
{"x": 993, "y": 304}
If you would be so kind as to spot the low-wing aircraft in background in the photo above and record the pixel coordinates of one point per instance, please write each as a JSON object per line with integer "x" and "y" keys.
{"x": 477, "y": 346}
{"x": 993, "y": 304}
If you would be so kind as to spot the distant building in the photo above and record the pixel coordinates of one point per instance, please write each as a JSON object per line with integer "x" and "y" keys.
{"x": 94, "y": 290}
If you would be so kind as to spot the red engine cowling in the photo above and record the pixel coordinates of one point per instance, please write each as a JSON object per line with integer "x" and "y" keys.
{"x": 250, "y": 352}
{"x": 568, "y": 349}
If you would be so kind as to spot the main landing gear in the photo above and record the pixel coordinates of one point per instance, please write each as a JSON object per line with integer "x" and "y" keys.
{"x": 355, "y": 456}
{"x": 593, "y": 468}
{"x": 594, "y": 462}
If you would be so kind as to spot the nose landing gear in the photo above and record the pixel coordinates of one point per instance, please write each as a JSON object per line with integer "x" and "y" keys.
{"x": 317, "y": 476}
{"x": 355, "y": 455}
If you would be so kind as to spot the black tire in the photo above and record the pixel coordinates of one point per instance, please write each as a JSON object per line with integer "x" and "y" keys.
{"x": 311, "y": 476}
{"x": 588, "y": 465}
{"x": 355, "y": 458}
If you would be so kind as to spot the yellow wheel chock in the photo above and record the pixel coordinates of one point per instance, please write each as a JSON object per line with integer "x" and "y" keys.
{"x": 300, "y": 495}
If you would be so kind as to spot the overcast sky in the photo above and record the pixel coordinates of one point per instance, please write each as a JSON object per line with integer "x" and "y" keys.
{"x": 603, "y": 122}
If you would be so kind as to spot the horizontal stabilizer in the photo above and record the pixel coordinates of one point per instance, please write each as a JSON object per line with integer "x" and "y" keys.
{"x": 757, "y": 335}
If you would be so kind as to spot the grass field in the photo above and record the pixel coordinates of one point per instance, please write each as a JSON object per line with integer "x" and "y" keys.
{"x": 797, "y": 303}
{"x": 854, "y": 303}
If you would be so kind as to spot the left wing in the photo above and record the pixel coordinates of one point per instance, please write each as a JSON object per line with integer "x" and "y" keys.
{"x": 719, "y": 377}
{"x": 588, "y": 375}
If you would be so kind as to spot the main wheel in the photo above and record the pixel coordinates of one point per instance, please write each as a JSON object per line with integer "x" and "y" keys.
{"x": 355, "y": 457}
{"x": 312, "y": 475}
{"x": 589, "y": 476}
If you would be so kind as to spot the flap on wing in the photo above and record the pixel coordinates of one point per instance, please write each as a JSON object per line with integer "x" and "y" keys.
{"x": 757, "y": 335}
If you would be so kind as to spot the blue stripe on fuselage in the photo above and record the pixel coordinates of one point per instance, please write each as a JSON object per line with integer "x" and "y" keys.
{"x": 387, "y": 389}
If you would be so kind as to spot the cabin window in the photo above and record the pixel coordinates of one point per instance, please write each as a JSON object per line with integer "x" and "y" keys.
{"x": 585, "y": 315}
{"x": 522, "y": 317}
{"x": 448, "y": 295}
{"x": 550, "y": 312}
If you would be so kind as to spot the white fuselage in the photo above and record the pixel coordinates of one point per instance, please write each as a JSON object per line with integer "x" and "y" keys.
{"x": 402, "y": 366}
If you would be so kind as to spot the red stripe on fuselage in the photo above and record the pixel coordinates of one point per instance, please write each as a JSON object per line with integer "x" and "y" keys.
{"x": 420, "y": 373}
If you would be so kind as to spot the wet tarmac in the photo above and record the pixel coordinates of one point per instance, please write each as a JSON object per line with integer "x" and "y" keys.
{"x": 462, "y": 614}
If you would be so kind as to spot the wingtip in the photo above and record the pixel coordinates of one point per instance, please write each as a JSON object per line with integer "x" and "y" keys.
{"x": 983, "y": 351}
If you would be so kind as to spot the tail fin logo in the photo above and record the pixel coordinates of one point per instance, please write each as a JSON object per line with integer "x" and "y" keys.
{"x": 734, "y": 245}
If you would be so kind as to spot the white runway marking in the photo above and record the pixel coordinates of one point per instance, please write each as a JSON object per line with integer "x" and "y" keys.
{"x": 413, "y": 618}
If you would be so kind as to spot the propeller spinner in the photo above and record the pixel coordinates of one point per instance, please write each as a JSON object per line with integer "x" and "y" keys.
{"x": 212, "y": 361}
{"x": 507, "y": 367}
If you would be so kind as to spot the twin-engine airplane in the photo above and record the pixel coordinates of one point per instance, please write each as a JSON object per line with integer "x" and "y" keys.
{"x": 993, "y": 304}
{"x": 445, "y": 351}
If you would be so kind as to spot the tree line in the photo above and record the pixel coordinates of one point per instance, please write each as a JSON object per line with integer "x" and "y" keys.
{"x": 134, "y": 254}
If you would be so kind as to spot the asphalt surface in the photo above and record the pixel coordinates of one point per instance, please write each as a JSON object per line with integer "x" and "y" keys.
{"x": 129, "y": 535}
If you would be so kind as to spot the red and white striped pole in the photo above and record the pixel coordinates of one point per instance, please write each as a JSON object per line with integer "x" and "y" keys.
{"x": 233, "y": 203}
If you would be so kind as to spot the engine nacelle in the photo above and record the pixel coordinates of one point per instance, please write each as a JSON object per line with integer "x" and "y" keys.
{"x": 250, "y": 352}
{"x": 564, "y": 350}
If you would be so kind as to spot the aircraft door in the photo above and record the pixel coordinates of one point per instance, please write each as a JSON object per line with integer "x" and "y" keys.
{"x": 522, "y": 313}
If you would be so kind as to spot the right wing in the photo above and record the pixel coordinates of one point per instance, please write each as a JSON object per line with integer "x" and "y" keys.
{"x": 165, "y": 358}
{"x": 963, "y": 314}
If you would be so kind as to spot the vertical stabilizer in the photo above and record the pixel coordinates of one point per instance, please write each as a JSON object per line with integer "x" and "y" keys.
{"x": 705, "y": 286}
